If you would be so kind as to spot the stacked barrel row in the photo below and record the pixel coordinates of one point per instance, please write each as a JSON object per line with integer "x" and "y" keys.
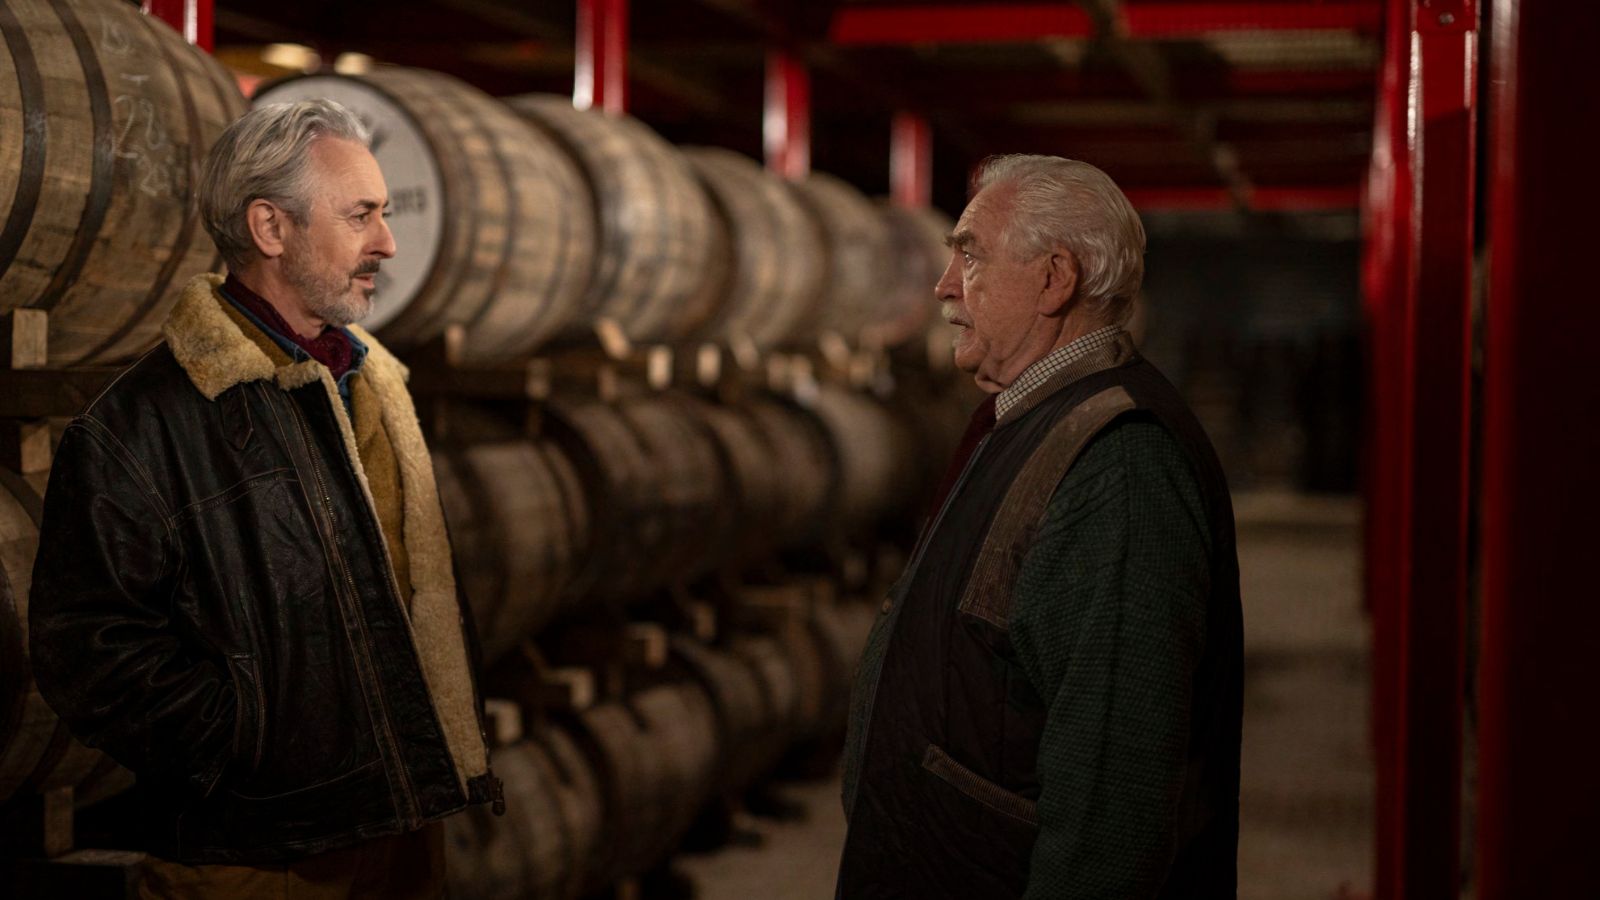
{"x": 105, "y": 115}
{"x": 615, "y": 500}
{"x": 609, "y": 792}
{"x": 527, "y": 221}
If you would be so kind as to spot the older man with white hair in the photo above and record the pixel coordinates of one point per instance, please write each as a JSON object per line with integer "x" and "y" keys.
{"x": 1050, "y": 702}
{"x": 244, "y": 589}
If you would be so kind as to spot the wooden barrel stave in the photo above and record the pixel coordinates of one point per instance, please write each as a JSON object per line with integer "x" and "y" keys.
{"x": 683, "y": 461}
{"x": 918, "y": 259}
{"x": 736, "y": 699}
{"x": 654, "y": 230}
{"x": 777, "y": 255}
{"x": 115, "y": 112}
{"x": 628, "y": 523}
{"x": 857, "y": 241}
{"x": 578, "y": 795}
{"x": 515, "y": 539}
{"x": 800, "y": 452}
{"x": 36, "y": 750}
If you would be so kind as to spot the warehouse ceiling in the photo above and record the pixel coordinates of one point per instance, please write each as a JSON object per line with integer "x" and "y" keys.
{"x": 1260, "y": 106}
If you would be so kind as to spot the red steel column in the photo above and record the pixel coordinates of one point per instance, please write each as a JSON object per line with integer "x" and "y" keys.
{"x": 1539, "y": 790}
{"x": 1422, "y": 799}
{"x": 1386, "y": 282}
{"x": 601, "y": 62}
{"x": 911, "y": 160}
{"x": 190, "y": 18}
{"x": 786, "y": 121}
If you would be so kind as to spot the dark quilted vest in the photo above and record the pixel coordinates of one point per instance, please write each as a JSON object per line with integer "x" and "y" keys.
{"x": 940, "y": 780}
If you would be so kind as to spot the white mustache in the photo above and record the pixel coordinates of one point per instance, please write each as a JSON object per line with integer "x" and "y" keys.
{"x": 948, "y": 311}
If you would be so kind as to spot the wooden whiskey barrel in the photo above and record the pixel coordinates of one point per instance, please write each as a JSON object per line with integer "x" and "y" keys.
{"x": 493, "y": 224}
{"x": 684, "y": 462}
{"x": 519, "y": 526}
{"x": 800, "y": 452}
{"x": 858, "y": 243}
{"x": 780, "y": 696}
{"x": 629, "y": 770}
{"x": 679, "y": 722}
{"x": 629, "y": 518}
{"x": 736, "y": 698}
{"x": 777, "y": 256}
{"x": 654, "y": 222}
{"x": 577, "y": 794}
{"x": 36, "y": 750}
{"x": 521, "y": 854}
{"x": 753, "y": 481}
{"x": 105, "y": 116}
{"x": 874, "y": 460}
{"x": 542, "y": 847}
{"x": 918, "y": 259}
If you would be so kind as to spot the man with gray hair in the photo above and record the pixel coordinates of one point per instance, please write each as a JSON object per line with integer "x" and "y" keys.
{"x": 1049, "y": 705}
{"x": 244, "y": 590}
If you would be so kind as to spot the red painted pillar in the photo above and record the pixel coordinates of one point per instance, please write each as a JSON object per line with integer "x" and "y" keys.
{"x": 190, "y": 18}
{"x": 601, "y": 61}
{"x": 786, "y": 121}
{"x": 1539, "y": 789}
{"x": 1386, "y": 281}
{"x": 1419, "y": 610}
{"x": 911, "y": 160}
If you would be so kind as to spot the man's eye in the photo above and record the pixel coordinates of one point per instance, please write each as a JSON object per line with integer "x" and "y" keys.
{"x": 388, "y": 213}
{"x": 966, "y": 256}
{"x": 363, "y": 217}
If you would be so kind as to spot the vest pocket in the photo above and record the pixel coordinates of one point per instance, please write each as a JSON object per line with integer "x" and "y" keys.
{"x": 979, "y": 788}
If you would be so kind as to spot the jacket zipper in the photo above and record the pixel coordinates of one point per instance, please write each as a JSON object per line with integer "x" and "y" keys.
{"x": 366, "y": 641}
{"x": 907, "y": 579}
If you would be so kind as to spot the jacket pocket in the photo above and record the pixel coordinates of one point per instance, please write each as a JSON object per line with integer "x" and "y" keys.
{"x": 250, "y": 712}
{"x": 979, "y": 788}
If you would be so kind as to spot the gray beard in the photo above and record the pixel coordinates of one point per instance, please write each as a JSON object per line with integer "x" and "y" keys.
{"x": 329, "y": 297}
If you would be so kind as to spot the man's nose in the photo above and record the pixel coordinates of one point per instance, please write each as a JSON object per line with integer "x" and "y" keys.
{"x": 949, "y": 286}
{"x": 385, "y": 246}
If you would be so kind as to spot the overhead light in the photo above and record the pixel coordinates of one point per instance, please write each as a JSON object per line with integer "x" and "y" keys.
{"x": 353, "y": 64}
{"x": 296, "y": 57}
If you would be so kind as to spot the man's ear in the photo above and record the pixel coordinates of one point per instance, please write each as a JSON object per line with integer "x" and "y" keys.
{"x": 268, "y": 227}
{"x": 1060, "y": 284}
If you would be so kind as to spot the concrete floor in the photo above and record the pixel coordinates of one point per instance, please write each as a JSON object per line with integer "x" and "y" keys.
{"x": 1306, "y": 803}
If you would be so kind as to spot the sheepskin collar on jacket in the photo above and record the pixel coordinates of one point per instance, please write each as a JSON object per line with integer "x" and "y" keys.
{"x": 217, "y": 355}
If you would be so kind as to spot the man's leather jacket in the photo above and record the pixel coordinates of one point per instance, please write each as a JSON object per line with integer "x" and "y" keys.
{"x": 213, "y": 604}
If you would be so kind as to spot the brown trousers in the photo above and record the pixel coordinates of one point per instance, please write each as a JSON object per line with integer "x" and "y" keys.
{"x": 402, "y": 867}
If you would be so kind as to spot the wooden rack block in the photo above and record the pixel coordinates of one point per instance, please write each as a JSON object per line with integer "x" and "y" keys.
{"x": 38, "y": 824}
{"x": 503, "y": 722}
{"x": 24, "y": 339}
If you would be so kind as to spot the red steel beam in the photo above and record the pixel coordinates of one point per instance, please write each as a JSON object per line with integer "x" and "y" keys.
{"x": 1308, "y": 198}
{"x": 786, "y": 121}
{"x": 190, "y": 18}
{"x": 910, "y": 161}
{"x": 1022, "y": 22}
{"x": 601, "y": 60}
{"x": 1177, "y": 20}
{"x": 968, "y": 24}
{"x": 1539, "y": 791}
